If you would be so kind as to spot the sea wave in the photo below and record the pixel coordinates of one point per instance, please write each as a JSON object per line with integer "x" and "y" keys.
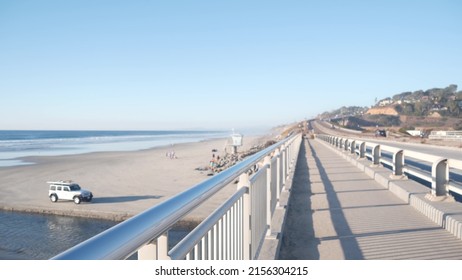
{"x": 49, "y": 143}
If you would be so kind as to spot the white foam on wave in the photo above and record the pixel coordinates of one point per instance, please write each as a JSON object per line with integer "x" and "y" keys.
{"x": 13, "y": 162}
{"x": 11, "y": 151}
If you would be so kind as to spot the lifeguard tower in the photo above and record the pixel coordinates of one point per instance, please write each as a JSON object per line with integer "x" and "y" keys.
{"x": 236, "y": 141}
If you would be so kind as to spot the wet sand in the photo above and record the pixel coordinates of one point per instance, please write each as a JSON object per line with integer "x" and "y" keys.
{"x": 123, "y": 183}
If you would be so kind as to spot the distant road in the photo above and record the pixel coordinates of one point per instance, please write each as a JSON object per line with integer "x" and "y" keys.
{"x": 446, "y": 152}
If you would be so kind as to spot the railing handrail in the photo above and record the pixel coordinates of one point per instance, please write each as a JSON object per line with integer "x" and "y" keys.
{"x": 124, "y": 239}
{"x": 451, "y": 135}
{"x": 438, "y": 177}
{"x": 408, "y": 152}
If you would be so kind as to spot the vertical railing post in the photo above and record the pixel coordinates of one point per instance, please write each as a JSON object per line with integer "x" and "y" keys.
{"x": 440, "y": 177}
{"x": 244, "y": 182}
{"x": 269, "y": 193}
{"x": 287, "y": 165}
{"x": 398, "y": 163}
{"x": 284, "y": 165}
{"x": 162, "y": 247}
{"x": 376, "y": 154}
{"x": 345, "y": 146}
{"x": 277, "y": 154}
{"x": 353, "y": 147}
{"x": 289, "y": 157}
{"x": 148, "y": 252}
{"x": 156, "y": 250}
{"x": 362, "y": 150}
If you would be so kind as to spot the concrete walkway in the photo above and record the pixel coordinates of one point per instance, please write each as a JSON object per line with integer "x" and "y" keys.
{"x": 336, "y": 211}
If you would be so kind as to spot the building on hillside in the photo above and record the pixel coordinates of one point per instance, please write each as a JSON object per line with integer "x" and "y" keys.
{"x": 385, "y": 102}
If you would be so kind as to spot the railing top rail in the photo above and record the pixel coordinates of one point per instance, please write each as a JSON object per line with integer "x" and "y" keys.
{"x": 454, "y": 163}
{"x": 421, "y": 156}
{"x": 409, "y": 153}
{"x": 390, "y": 149}
{"x": 382, "y": 147}
{"x": 373, "y": 145}
{"x": 443, "y": 133}
{"x": 124, "y": 239}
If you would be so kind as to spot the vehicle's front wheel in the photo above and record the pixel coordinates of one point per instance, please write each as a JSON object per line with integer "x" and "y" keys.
{"x": 53, "y": 198}
{"x": 77, "y": 199}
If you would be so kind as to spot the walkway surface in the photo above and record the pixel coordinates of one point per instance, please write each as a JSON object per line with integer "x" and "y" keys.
{"x": 336, "y": 211}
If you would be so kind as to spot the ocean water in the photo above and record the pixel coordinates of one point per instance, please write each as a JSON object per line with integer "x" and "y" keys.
{"x": 28, "y": 236}
{"x": 18, "y": 144}
{"x": 25, "y": 236}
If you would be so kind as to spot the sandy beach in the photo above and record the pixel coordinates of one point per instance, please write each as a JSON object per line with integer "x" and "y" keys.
{"x": 123, "y": 183}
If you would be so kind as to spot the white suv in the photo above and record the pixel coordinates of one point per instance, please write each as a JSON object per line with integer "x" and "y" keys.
{"x": 68, "y": 190}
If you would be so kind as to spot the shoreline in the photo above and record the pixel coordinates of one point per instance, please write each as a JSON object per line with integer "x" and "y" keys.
{"x": 33, "y": 159}
{"x": 36, "y": 159}
{"x": 124, "y": 183}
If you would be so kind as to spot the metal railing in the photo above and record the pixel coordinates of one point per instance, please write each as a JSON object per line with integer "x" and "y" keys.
{"x": 443, "y": 175}
{"x": 446, "y": 135}
{"x": 235, "y": 230}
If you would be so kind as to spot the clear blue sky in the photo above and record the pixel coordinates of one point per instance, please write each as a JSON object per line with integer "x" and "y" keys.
{"x": 88, "y": 64}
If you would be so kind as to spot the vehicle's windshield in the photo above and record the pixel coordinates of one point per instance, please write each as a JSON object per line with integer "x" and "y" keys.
{"x": 74, "y": 187}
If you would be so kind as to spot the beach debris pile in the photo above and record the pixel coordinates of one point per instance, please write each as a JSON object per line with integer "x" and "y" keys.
{"x": 217, "y": 164}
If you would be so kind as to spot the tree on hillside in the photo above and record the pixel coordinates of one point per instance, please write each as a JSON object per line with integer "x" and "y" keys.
{"x": 405, "y": 109}
{"x": 453, "y": 108}
{"x": 422, "y": 108}
{"x": 452, "y": 89}
{"x": 401, "y": 96}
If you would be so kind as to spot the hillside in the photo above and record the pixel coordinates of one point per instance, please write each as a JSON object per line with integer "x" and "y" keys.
{"x": 447, "y": 102}
{"x": 436, "y": 108}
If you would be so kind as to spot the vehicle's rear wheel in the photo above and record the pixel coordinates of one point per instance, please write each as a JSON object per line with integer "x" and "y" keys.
{"x": 53, "y": 198}
{"x": 77, "y": 199}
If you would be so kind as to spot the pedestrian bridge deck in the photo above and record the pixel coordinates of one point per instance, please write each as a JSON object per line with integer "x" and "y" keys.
{"x": 336, "y": 211}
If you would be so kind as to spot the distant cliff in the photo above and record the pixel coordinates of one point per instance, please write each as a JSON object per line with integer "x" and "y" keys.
{"x": 390, "y": 111}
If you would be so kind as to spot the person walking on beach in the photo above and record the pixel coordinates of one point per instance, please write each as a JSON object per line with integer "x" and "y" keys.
{"x": 212, "y": 163}
{"x": 170, "y": 154}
